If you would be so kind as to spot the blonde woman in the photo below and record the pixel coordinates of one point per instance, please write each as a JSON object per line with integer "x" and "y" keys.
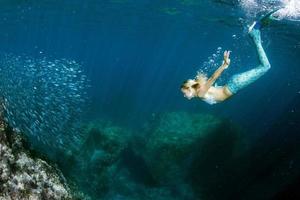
{"x": 202, "y": 86}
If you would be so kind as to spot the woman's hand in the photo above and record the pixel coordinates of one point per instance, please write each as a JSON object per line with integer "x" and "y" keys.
{"x": 226, "y": 61}
{"x": 218, "y": 72}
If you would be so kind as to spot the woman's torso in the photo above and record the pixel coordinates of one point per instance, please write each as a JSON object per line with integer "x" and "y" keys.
{"x": 214, "y": 95}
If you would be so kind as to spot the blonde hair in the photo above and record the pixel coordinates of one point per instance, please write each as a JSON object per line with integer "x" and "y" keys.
{"x": 201, "y": 78}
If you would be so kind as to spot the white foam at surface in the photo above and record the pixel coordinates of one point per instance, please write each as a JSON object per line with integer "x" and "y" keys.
{"x": 290, "y": 9}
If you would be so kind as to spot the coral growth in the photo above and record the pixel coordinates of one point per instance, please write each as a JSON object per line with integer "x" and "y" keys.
{"x": 152, "y": 163}
{"x": 25, "y": 177}
{"x": 98, "y": 157}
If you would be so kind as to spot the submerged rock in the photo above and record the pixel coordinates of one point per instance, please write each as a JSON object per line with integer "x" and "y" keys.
{"x": 179, "y": 142}
{"x": 23, "y": 176}
{"x": 173, "y": 157}
{"x": 94, "y": 165}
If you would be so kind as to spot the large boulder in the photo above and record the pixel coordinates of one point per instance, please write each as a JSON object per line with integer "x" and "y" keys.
{"x": 98, "y": 158}
{"x": 178, "y": 142}
{"x": 24, "y": 176}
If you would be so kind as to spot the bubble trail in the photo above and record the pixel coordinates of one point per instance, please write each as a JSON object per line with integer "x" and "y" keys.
{"x": 214, "y": 61}
{"x": 43, "y": 99}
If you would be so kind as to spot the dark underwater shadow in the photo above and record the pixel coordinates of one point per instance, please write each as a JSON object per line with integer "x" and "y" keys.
{"x": 211, "y": 172}
{"x": 270, "y": 169}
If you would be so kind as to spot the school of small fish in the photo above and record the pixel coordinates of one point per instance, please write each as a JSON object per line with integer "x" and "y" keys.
{"x": 43, "y": 98}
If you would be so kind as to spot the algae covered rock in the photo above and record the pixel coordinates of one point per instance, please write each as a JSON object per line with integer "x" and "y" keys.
{"x": 104, "y": 142}
{"x": 98, "y": 158}
{"x": 177, "y": 140}
{"x": 172, "y": 157}
{"x": 23, "y": 176}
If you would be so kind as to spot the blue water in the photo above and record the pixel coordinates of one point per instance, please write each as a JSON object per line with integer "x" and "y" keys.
{"x": 136, "y": 54}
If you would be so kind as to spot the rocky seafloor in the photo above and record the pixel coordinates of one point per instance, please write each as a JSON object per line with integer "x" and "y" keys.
{"x": 173, "y": 156}
{"x": 25, "y": 176}
{"x": 164, "y": 160}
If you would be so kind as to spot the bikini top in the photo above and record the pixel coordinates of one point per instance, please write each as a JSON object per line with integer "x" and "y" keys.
{"x": 208, "y": 98}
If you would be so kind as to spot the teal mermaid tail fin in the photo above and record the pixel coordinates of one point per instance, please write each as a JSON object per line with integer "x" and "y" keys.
{"x": 263, "y": 21}
{"x": 266, "y": 19}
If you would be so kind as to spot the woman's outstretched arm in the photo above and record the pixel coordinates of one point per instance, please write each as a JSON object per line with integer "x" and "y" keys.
{"x": 217, "y": 73}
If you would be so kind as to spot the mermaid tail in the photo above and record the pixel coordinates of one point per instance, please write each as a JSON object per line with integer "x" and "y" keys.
{"x": 263, "y": 21}
{"x": 241, "y": 80}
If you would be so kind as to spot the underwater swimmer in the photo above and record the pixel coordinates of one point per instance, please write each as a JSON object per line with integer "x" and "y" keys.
{"x": 202, "y": 86}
